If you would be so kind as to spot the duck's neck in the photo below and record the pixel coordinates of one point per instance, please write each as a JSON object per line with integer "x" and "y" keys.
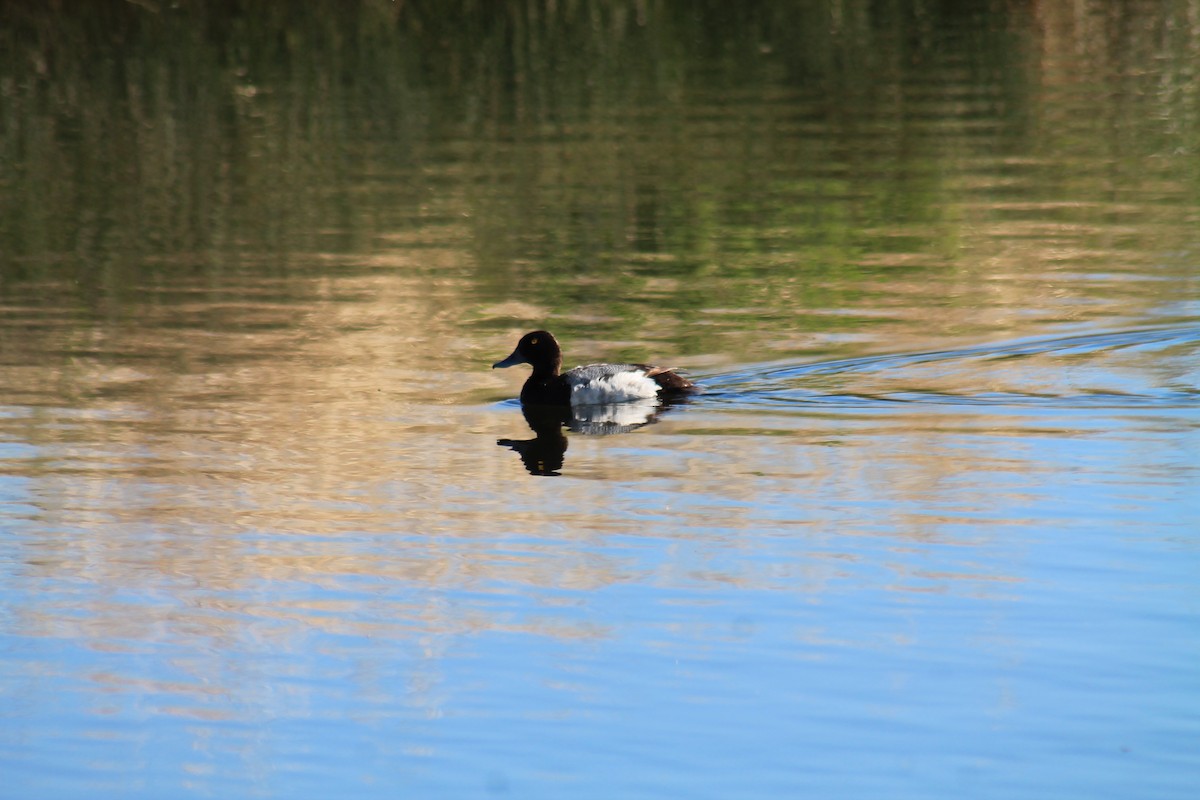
{"x": 544, "y": 371}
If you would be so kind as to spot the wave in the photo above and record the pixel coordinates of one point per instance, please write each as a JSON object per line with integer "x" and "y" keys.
{"x": 1113, "y": 369}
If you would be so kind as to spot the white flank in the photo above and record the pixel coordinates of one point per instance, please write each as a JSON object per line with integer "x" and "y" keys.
{"x": 599, "y": 384}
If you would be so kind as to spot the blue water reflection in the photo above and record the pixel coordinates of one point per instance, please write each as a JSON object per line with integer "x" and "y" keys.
{"x": 908, "y": 599}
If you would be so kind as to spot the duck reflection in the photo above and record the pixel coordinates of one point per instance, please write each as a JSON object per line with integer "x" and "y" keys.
{"x": 544, "y": 454}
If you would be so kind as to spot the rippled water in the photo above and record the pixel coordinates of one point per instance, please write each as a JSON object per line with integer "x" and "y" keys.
{"x": 270, "y": 526}
{"x": 1112, "y": 369}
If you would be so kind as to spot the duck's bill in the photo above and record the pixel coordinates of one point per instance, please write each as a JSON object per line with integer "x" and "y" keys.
{"x": 511, "y": 361}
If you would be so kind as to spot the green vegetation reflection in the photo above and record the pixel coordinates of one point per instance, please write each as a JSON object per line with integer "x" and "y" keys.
{"x": 608, "y": 165}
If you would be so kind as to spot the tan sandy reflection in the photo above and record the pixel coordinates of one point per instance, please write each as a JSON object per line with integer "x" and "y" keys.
{"x": 316, "y": 445}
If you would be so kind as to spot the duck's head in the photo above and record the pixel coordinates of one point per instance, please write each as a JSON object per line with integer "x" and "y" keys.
{"x": 538, "y": 349}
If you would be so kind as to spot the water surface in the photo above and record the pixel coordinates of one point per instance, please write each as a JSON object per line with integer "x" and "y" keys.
{"x": 271, "y": 527}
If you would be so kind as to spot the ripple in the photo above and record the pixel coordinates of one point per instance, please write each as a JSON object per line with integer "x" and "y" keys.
{"x": 1110, "y": 369}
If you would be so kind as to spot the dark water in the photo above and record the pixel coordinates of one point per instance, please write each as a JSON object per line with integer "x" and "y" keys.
{"x": 270, "y": 526}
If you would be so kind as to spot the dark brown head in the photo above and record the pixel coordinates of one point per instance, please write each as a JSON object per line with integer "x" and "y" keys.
{"x": 538, "y": 349}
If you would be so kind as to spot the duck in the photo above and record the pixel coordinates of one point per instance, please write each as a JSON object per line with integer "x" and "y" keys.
{"x": 593, "y": 384}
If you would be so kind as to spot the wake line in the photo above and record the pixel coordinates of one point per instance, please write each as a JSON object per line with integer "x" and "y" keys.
{"x": 763, "y": 385}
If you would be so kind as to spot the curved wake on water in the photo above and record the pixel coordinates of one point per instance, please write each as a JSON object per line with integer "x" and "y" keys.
{"x": 1130, "y": 369}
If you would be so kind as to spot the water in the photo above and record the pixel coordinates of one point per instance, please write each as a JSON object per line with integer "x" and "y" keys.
{"x": 270, "y": 526}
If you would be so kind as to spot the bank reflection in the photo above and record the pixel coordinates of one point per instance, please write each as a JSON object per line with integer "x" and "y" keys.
{"x": 544, "y": 454}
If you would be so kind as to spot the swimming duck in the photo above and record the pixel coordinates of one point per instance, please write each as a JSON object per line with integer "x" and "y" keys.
{"x": 590, "y": 385}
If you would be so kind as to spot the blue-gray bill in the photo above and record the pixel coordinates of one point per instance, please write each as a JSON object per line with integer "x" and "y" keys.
{"x": 511, "y": 361}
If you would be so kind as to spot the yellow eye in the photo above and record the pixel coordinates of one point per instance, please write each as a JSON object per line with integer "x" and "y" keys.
{"x": 533, "y": 340}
